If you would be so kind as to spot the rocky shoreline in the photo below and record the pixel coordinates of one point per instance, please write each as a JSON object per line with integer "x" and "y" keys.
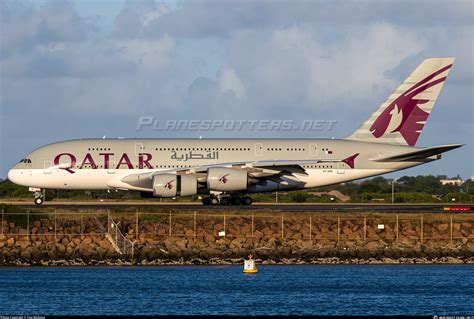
{"x": 217, "y": 261}
{"x": 80, "y": 239}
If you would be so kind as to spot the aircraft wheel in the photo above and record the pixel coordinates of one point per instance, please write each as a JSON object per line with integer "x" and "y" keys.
{"x": 206, "y": 201}
{"x": 38, "y": 200}
{"x": 247, "y": 200}
{"x": 214, "y": 201}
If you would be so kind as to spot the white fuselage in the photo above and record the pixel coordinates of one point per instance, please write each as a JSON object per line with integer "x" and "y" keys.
{"x": 103, "y": 163}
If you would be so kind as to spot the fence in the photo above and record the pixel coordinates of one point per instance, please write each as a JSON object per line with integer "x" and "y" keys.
{"x": 139, "y": 226}
{"x": 120, "y": 243}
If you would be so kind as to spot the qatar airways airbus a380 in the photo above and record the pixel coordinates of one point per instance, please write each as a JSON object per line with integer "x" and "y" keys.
{"x": 229, "y": 169}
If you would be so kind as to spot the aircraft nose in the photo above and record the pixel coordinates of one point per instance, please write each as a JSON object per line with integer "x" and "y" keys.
{"x": 11, "y": 175}
{"x": 14, "y": 176}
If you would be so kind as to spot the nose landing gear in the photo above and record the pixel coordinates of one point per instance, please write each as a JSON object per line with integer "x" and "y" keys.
{"x": 39, "y": 195}
{"x": 39, "y": 200}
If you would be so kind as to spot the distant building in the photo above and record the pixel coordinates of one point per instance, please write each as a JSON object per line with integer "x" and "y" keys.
{"x": 452, "y": 181}
{"x": 472, "y": 178}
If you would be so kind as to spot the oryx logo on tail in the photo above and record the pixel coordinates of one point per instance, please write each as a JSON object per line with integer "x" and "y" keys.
{"x": 404, "y": 114}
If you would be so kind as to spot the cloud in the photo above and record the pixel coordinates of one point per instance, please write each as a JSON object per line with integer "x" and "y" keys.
{"x": 64, "y": 76}
{"x": 23, "y": 26}
{"x": 147, "y": 55}
{"x": 137, "y": 16}
{"x": 229, "y": 81}
{"x": 215, "y": 18}
{"x": 295, "y": 66}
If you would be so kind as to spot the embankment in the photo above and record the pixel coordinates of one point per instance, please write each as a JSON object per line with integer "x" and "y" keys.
{"x": 88, "y": 237}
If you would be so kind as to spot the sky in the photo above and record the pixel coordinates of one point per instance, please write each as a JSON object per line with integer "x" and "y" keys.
{"x": 79, "y": 69}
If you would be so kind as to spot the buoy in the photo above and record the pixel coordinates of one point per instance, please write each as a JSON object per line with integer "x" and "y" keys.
{"x": 249, "y": 266}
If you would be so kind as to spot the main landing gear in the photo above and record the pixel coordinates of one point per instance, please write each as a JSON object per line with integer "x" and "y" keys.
{"x": 227, "y": 200}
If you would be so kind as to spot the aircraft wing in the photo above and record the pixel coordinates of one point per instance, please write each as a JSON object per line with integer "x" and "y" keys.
{"x": 418, "y": 154}
{"x": 255, "y": 169}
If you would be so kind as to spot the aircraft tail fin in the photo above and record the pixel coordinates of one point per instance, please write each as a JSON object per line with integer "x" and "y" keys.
{"x": 401, "y": 118}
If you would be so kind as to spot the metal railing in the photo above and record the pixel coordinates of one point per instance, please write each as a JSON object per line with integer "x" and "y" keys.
{"x": 120, "y": 243}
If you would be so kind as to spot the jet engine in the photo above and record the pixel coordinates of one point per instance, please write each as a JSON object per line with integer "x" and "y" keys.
{"x": 171, "y": 185}
{"x": 226, "y": 179}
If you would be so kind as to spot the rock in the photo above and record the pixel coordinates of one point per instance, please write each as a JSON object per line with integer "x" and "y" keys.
{"x": 69, "y": 250}
{"x": 373, "y": 245}
{"x": 442, "y": 227}
{"x": 101, "y": 252}
{"x": 36, "y": 254}
{"x": 257, "y": 234}
{"x": 105, "y": 244}
{"x": 181, "y": 243}
{"x": 237, "y": 243}
{"x": 210, "y": 238}
{"x": 390, "y": 261}
{"x": 60, "y": 248}
{"x": 25, "y": 254}
{"x": 23, "y": 244}
{"x": 59, "y": 262}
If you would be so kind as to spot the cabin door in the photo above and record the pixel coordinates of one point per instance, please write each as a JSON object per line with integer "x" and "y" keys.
{"x": 47, "y": 167}
{"x": 313, "y": 149}
{"x": 341, "y": 168}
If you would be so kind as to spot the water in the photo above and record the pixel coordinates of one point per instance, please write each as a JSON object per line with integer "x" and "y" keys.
{"x": 275, "y": 290}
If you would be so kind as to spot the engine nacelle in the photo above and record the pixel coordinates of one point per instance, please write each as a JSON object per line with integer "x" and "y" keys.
{"x": 172, "y": 185}
{"x": 226, "y": 179}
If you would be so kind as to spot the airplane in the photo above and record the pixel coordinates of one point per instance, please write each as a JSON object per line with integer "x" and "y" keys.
{"x": 226, "y": 171}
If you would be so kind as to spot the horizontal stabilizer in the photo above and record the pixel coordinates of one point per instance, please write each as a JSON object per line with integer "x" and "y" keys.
{"x": 418, "y": 154}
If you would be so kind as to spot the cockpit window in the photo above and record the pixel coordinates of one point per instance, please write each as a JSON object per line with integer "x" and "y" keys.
{"x": 26, "y": 160}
